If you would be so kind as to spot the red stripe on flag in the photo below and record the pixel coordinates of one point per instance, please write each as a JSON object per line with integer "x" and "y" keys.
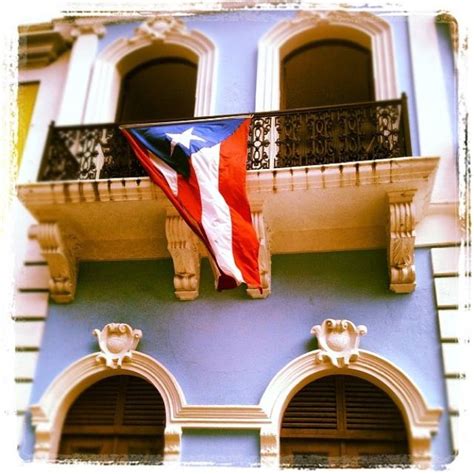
{"x": 193, "y": 216}
{"x": 187, "y": 203}
{"x": 232, "y": 186}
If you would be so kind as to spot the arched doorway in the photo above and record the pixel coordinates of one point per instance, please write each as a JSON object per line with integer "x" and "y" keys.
{"x": 118, "y": 418}
{"x": 342, "y": 421}
{"x": 157, "y": 38}
{"x": 161, "y": 89}
{"x": 327, "y": 72}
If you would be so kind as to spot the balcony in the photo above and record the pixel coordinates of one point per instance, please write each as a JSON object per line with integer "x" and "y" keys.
{"x": 294, "y": 138}
{"x": 319, "y": 179}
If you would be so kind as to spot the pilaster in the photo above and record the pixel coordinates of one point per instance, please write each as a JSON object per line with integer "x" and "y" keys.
{"x": 269, "y": 448}
{"x": 83, "y": 55}
{"x": 172, "y": 448}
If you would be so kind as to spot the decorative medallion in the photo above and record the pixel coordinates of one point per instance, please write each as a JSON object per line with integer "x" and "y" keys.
{"x": 338, "y": 341}
{"x": 158, "y": 28}
{"x": 117, "y": 341}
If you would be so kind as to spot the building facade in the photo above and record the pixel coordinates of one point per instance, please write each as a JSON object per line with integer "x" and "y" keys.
{"x": 350, "y": 355}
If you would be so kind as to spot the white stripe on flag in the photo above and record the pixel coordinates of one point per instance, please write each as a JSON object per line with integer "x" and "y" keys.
{"x": 169, "y": 173}
{"x": 216, "y": 218}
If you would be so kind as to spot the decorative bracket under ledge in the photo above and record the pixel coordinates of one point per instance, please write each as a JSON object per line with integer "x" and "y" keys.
{"x": 264, "y": 254}
{"x": 60, "y": 254}
{"x": 401, "y": 241}
{"x": 184, "y": 250}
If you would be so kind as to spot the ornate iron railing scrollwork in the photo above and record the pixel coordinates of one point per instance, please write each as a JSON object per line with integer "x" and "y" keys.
{"x": 302, "y": 137}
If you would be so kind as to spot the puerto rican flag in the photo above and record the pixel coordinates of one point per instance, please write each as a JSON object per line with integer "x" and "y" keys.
{"x": 201, "y": 167}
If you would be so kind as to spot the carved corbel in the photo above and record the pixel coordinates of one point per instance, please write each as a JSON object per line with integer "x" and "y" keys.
{"x": 401, "y": 242}
{"x": 264, "y": 254}
{"x": 116, "y": 342}
{"x": 184, "y": 250}
{"x": 338, "y": 341}
{"x": 60, "y": 254}
{"x": 172, "y": 444}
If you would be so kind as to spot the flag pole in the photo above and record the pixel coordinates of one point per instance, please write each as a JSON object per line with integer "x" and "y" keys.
{"x": 185, "y": 120}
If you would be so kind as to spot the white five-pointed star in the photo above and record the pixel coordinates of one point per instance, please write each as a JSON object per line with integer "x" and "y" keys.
{"x": 183, "y": 138}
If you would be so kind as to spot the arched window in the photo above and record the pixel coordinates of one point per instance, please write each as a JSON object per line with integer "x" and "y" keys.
{"x": 342, "y": 421}
{"x": 118, "y": 418}
{"x": 326, "y": 72}
{"x": 158, "y": 90}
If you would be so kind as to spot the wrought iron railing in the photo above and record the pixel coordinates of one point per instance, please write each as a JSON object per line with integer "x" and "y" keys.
{"x": 301, "y": 137}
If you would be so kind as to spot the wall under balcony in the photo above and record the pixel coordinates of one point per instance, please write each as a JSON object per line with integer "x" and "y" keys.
{"x": 224, "y": 348}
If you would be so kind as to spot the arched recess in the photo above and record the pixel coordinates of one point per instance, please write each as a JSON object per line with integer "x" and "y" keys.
{"x": 421, "y": 420}
{"x": 155, "y": 38}
{"x": 362, "y": 28}
{"x": 49, "y": 414}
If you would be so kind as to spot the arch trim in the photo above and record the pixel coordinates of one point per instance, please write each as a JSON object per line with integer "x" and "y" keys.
{"x": 154, "y": 38}
{"x": 363, "y": 28}
{"x": 421, "y": 420}
{"x": 49, "y": 414}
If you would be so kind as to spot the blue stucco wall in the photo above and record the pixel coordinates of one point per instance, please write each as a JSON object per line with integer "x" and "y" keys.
{"x": 224, "y": 348}
{"x": 221, "y": 447}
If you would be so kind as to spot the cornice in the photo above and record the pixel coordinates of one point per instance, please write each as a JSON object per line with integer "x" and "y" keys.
{"x": 344, "y": 175}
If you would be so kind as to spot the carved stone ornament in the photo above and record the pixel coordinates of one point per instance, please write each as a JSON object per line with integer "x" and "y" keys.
{"x": 184, "y": 250}
{"x": 158, "y": 28}
{"x": 82, "y": 26}
{"x": 59, "y": 252}
{"x": 117, "y": 341}
{"x": 338, "y": 341}
{"x": 401, "y": 242}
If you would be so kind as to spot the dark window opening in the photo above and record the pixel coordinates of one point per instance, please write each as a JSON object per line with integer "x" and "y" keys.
{"x": 119, "y": 419}
{"x": 163, "y": 89}
{"x": 342, "y": 421}
{"x": 328, "y": 72}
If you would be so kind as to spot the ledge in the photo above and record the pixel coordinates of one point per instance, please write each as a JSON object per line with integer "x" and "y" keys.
{"x": 310, "y": 209}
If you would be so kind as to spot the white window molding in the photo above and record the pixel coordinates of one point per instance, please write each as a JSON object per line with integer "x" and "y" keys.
{"x": 155, "y": 38}
{"x": 49, "y": 414}
{"x": 363, "y": 28}
{"x": 421, "y": 420}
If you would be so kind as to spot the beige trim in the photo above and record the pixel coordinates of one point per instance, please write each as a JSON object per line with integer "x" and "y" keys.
{"x": 363, "y": 28}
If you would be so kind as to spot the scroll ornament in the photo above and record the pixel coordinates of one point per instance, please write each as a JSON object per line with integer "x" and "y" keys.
{"x": 117, "y": 341}
{"x": 338, "y": 341}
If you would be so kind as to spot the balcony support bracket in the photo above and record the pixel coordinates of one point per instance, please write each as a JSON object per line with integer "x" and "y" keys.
{"x": 264, "y": 254}
{"x": 184, "y": 250}
{"x": 401, "y": 241}
{"x": 59, "y": 251}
